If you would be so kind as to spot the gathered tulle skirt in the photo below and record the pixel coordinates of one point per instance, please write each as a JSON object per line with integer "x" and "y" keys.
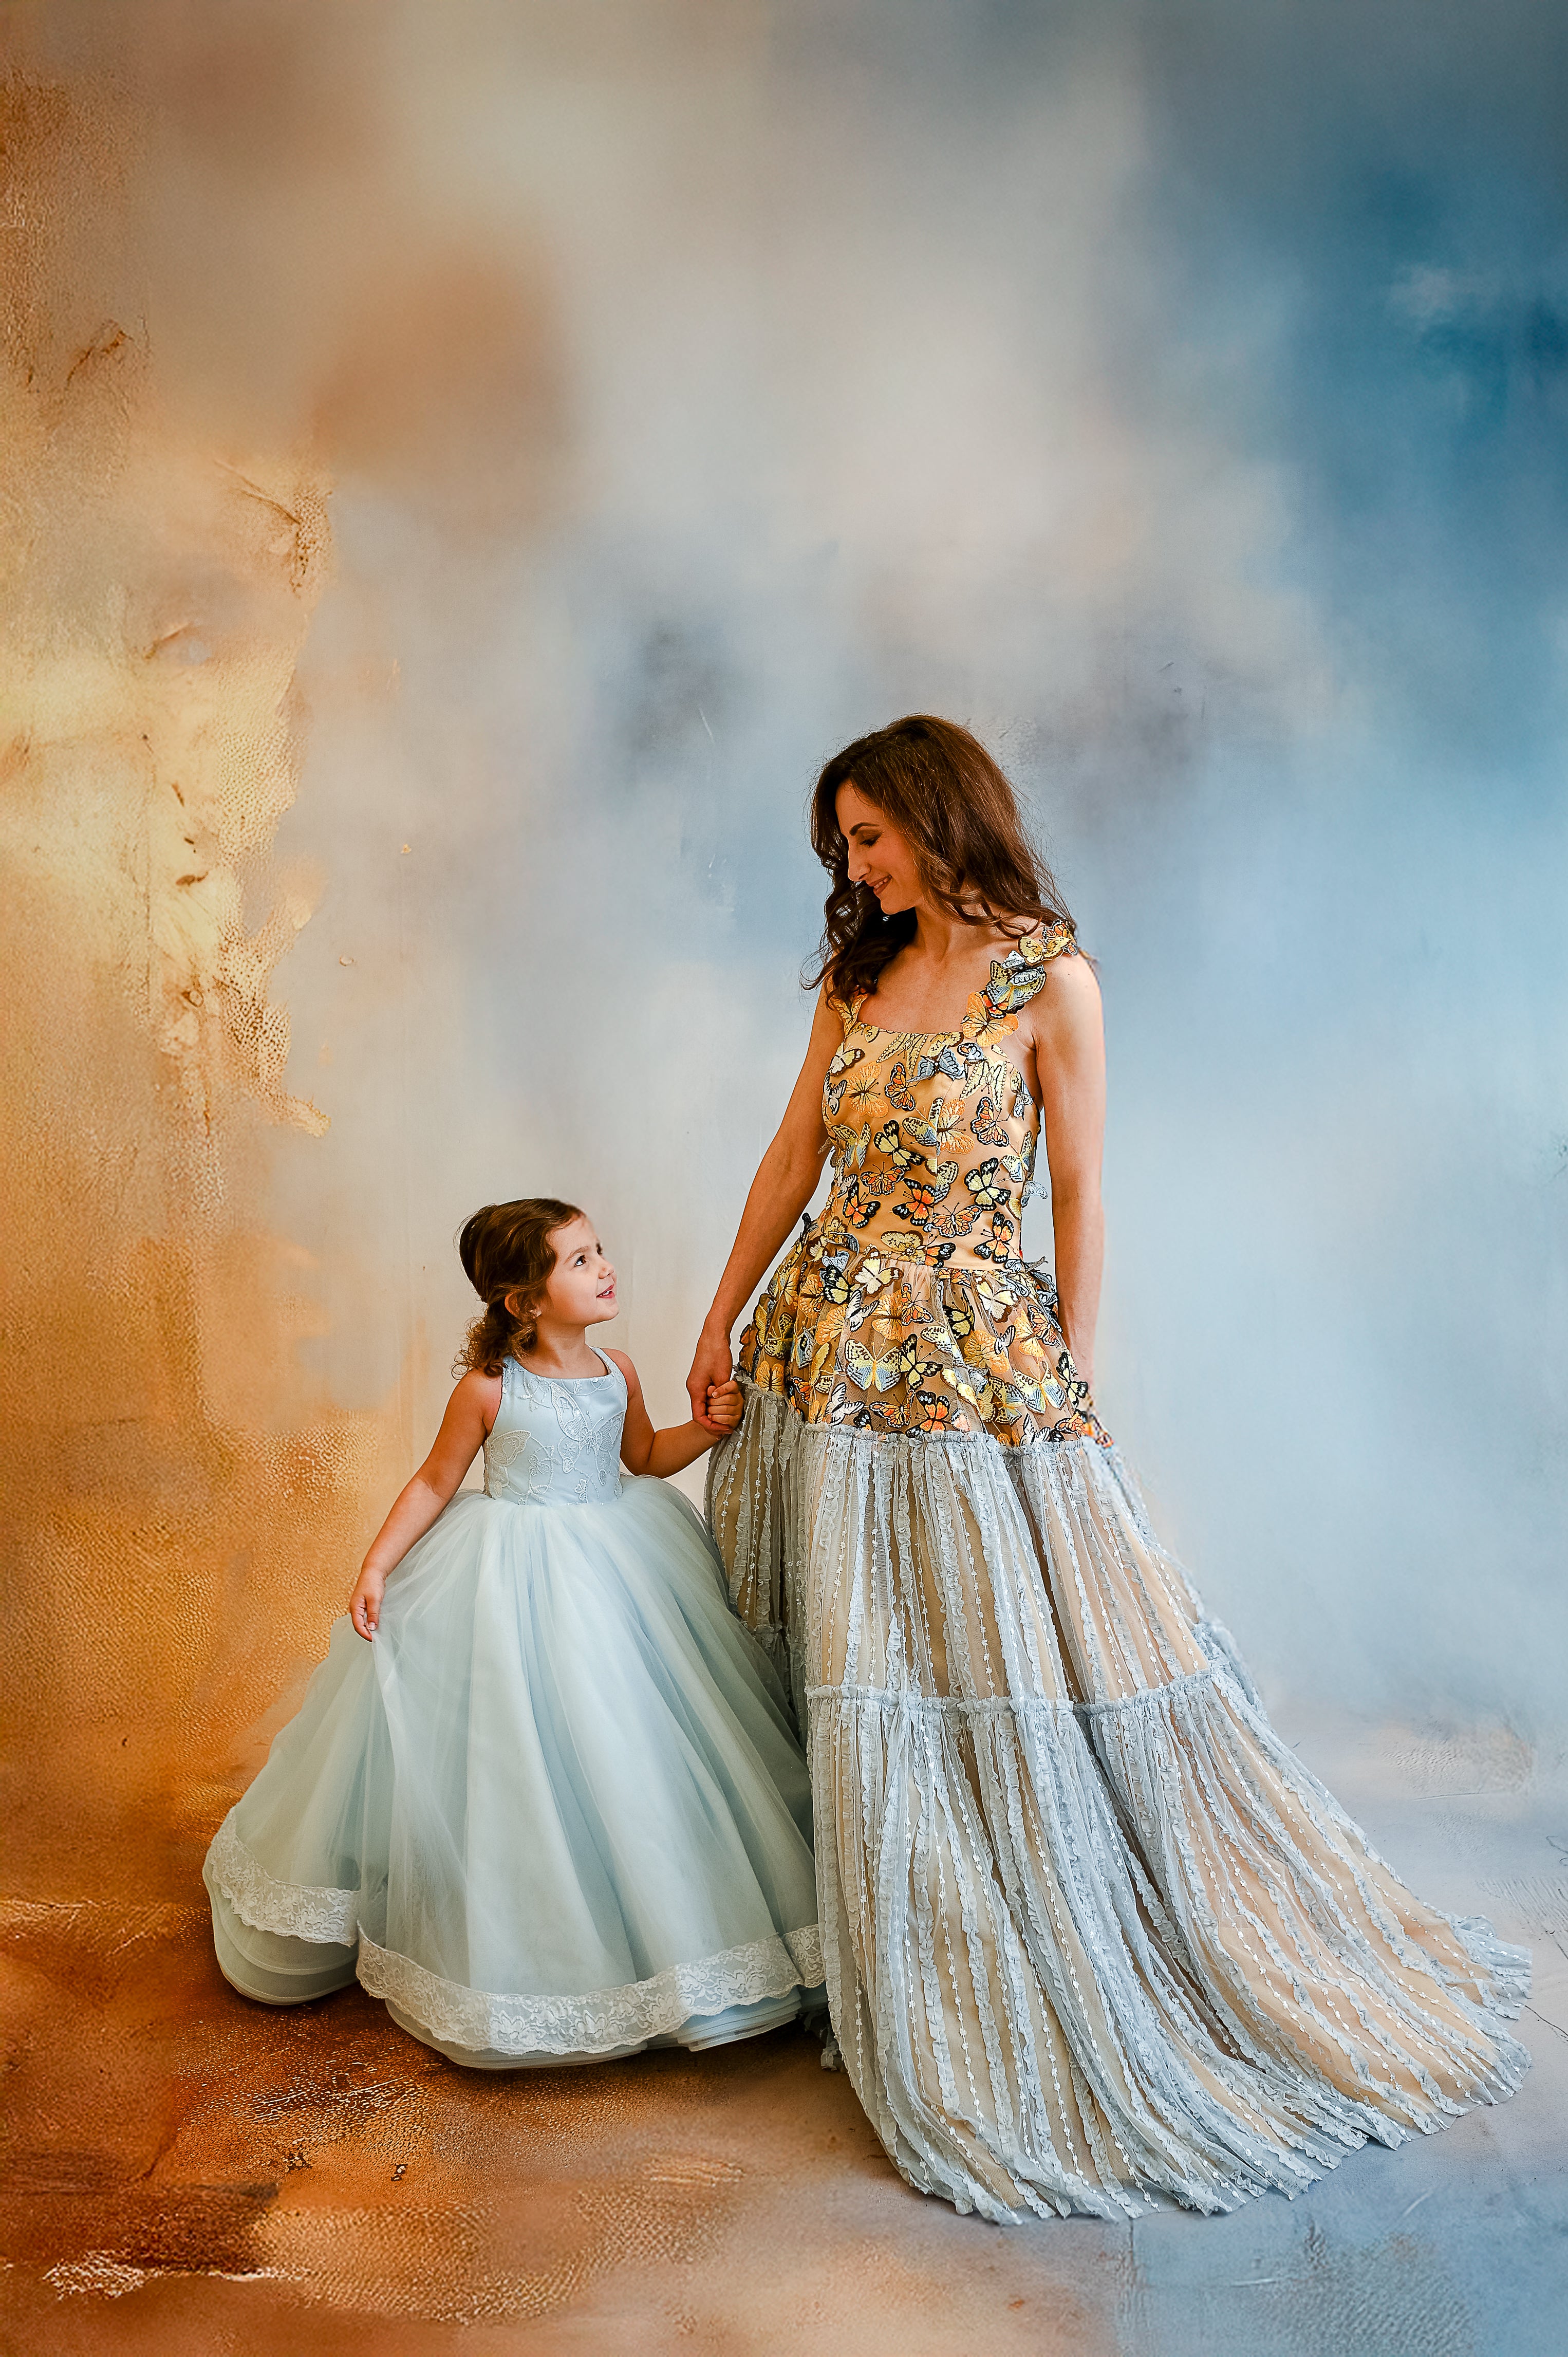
{"x": 555, "y": 1812}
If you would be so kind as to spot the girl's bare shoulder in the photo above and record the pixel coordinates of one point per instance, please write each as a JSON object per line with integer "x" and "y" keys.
{"x": 476, "y": 1393}
{"x": 624, "y": 1363}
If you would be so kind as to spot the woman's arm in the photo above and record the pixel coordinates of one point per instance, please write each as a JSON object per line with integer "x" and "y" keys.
{"x": 784, "y": 1183}
{"x": 644, "y": 1450}
{"x": 1069, "y": 1066}
{"x": 470, "y": 1412}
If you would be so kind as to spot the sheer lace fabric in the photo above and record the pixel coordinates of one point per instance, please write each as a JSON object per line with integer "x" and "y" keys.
{"x": 1091, "y": 1929}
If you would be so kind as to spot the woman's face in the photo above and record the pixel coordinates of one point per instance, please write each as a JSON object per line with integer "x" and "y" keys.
{"x": 879, "y": 856}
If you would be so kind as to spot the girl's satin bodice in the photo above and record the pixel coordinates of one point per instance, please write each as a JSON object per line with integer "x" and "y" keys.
{"x": 556, "y": 1443}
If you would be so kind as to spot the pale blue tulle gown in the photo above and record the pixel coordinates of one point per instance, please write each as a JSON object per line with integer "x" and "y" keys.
{"x": 556, "y": 1812}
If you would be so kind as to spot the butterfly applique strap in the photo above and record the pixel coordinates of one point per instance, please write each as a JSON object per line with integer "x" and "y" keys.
{"x": 1021, "y": 974}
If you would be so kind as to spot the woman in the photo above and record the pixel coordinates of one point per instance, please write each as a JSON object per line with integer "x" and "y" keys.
{"x": 1092, "y": 1931}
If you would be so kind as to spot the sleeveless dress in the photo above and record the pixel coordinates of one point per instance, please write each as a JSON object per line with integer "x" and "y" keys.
{"x": 1092, "y": 1931}
{"x": 555, "y": 1811}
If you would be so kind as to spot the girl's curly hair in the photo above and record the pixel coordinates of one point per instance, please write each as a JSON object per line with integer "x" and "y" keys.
{"x": 505, "y": 1248}
{"x": 948, "y": 798}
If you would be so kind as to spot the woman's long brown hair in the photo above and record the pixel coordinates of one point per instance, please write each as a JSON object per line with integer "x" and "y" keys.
{"x": 939, "y": 786}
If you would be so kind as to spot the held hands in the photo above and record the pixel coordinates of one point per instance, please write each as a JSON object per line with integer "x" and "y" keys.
{"x": 712, "y": 1376}
{"x": 365, "y": 1604}
{"x": 725, "y": 1406}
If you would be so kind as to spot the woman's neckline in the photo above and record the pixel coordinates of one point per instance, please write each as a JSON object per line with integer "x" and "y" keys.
{"x": 891, "y": 1031}
{"x": 897, "y": 1031}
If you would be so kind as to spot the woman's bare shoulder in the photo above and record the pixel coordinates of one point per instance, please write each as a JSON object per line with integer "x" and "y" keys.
{"x": 1068, "y": 1002}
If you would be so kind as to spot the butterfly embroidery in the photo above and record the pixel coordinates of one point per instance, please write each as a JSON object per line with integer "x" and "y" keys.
{"x": 986, "y": 1125}
{"x": 838, "y": 1075}
{"x": 897, "y": 1088}
{"x": 903, "y": 1364}
{"x": 935, "y": 1133}
{"x": 926, "y": 1183}
{"x": 947, "y": 1061}
{"x": 850, "y": 1144}
{"x": 982, "y": 1184}
{"x": 887, "y": 1141}
{"x": 863, "y": 1338}
{"x": 937, "y": 1411}
{"x": 870, "y": 1372}
{"x": 1015, "y": 978}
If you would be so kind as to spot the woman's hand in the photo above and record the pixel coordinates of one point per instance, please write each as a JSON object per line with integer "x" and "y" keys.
{"x": 784, "y": 1183}
{"x": 725, "y": 1406}
{"x": 365, "y": 1604}
{"x": 713, "y": 1370}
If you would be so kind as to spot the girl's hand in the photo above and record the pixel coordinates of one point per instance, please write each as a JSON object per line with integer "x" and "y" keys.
{"x": 726, "y": 1405}
{"x": 365, "y": 1604}
{"x": 712, "y": 1371}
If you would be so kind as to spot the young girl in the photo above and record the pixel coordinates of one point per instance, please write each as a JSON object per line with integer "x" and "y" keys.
{"x": 544, "y": 1796}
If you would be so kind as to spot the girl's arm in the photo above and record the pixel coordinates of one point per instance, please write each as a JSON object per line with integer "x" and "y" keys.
{"x": 644, "y": 1450}
{"x": 1069, "y": 1066}
{"x": 470, "y": 1412}
{"x": 784, "y": 1183}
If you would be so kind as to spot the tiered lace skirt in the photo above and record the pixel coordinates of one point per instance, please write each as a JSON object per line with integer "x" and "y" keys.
{"x": 1091, "y": 1933}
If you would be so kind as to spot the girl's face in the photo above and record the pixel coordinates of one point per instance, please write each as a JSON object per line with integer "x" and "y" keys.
{"x": 879, "y": 856}
{"x": 580, "y": 1288}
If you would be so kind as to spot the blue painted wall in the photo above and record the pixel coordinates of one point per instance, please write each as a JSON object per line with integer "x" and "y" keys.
{"x": 1181, "y": 396}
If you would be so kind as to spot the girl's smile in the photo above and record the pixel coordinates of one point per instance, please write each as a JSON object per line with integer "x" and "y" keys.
{"x": 581, "y": 1289}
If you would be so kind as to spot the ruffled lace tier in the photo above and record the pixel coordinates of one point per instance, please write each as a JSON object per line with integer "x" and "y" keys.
{"x": 603, "y": 2021}
{"x": 1091, "y": 1933}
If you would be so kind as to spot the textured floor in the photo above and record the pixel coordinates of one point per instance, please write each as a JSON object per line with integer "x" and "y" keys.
{"x": 186, "y": 2173}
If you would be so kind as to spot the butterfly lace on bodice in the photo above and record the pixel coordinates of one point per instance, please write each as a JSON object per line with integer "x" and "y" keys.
{"x": 934, "y": 1133}
{"x": 554, "y": 1443}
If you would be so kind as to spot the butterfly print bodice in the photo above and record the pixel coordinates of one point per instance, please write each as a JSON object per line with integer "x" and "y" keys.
{"x": 906, "y": 1305}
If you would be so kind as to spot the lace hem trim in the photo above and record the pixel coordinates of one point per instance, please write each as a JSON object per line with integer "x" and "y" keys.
{"x": 604, "y": 2019}
{"x": 328, "y": 1916}
{"x": 458, "y": 2015}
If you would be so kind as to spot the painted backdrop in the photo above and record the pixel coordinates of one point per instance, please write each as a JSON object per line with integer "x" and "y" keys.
{"x": 467, "y": 466}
